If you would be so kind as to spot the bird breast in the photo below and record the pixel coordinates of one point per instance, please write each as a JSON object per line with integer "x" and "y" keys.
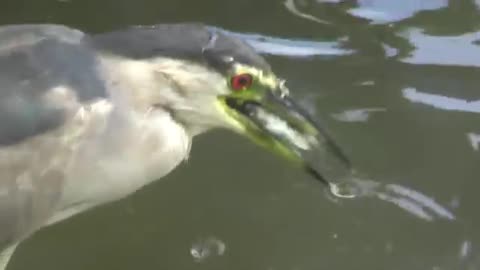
{"x": 116, "y": 152}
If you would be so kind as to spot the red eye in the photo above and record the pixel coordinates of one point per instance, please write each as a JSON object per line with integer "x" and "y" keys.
{"x": 241, "y": 81}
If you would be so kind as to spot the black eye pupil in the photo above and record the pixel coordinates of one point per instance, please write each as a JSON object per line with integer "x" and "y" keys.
{"x": 242, "y": 81}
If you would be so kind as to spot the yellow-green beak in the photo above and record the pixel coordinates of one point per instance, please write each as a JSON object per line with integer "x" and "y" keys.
{"x": 276, "y": 122}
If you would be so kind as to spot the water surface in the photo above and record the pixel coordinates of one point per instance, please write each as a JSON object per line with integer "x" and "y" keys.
{"x": 397, "y": 84}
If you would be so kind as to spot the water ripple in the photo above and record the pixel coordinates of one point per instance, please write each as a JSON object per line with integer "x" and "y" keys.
{"x": 290, "y": 47}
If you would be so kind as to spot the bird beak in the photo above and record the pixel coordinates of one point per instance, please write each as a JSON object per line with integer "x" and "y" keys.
{"x": 276, "y": 122}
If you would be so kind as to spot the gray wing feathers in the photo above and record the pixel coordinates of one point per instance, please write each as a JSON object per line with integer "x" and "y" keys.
{"x": 34, "y": 59}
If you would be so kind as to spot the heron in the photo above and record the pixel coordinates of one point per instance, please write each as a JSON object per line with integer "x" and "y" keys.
{"x": 87, "y": 119}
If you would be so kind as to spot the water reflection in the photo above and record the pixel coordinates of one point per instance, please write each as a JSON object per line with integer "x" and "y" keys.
{"x": 356, "y": 115}
{"x": 442, "y": 102}
{"x": 290, "y": 47}
{"x": 412, "y": 201}
{"x": 291, "y": 6}
{"x": 387, "y": 11}
{"x": 459, "y": 50}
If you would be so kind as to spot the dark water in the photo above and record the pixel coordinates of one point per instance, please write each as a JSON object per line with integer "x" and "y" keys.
{"x": 396, "y": 82}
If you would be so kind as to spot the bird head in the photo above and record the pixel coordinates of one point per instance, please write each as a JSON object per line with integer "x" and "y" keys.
{"x": 207, "y": 78}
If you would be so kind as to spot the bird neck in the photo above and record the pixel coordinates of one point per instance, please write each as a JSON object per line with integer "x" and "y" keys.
{"x": 188, "y": 95}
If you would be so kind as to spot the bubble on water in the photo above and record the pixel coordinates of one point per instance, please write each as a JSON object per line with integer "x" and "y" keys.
{"x": 341, "y": 191}
{"x": 367, "y": 83}
{"x": 205, "y": 248}
{"x": 389, "y": 247}
{"x": 465, "y": 249}
{"x": 474, "y": 139}
{"x": 454, "y": 202}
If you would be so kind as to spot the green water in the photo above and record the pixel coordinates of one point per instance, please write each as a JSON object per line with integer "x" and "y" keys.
{"x": 399, "y": 93}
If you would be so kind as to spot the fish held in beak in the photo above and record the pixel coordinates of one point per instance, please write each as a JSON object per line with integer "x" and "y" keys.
{"x": 287, "y": 129}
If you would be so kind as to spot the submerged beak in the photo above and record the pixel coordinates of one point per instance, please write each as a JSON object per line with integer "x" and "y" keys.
{"x": 275, "y": 121}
